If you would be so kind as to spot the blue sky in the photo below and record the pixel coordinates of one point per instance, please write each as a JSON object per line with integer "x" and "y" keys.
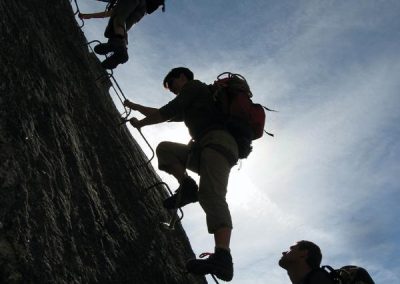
{"x": 330, "y": 175}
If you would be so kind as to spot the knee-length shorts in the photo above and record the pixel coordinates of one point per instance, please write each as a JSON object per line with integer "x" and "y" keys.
{"x": 209, "y": 159}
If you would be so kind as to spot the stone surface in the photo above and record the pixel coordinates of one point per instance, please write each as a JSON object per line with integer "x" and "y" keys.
{"x": 75, "y": 204}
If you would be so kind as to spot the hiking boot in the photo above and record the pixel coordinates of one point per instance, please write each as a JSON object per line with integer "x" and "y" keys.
{"x": 119, "y": 56}
{"x": 112, "y": 45}
{"x": 218, "y": 264}
{"x": 185, "y": 194}
{"x": 115, "y": 59}
{"x": 103, "y": 48}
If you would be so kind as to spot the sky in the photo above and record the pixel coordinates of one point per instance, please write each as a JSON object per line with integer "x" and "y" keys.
{"x": 331, "y": 173}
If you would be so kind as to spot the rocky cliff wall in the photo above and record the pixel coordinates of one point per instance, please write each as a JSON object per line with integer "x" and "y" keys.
{"x": 74, "y": 205}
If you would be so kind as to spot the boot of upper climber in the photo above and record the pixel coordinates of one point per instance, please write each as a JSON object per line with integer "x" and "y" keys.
{"x": 120, "y": 53}
{"x": 185, "y": 194}
{"x": 219, "y": 264}
{"x": 103, "y": 48}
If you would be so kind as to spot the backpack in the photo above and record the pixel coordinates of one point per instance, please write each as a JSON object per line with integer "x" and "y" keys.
{"x": 152, "y": 5}
{"x": 244, "y": 119}
{"x": 349, "y": 274}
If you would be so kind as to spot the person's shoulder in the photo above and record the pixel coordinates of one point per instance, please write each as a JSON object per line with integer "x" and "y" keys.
{"x": 319, "y": 276}
{"x": 195, "y": 83}
{"x": 195, "y": 86}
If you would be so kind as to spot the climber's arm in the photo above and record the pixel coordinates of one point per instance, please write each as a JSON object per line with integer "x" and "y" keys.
{"x": 146, "y": 111}
{"x": 154, "y": 118}
{"x": 104, "y": 14}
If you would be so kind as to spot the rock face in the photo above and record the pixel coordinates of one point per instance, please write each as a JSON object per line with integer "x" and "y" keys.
{"x": 75, "y": 200}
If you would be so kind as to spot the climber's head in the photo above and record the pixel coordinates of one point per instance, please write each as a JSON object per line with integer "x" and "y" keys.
{"x": 177, "y": 78}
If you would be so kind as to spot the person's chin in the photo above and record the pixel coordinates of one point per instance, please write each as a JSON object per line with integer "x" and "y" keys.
{"x": 281, "y": 263}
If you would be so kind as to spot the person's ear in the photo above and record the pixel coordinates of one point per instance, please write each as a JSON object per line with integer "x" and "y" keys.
{"x": 182, "y": 77}
{"x": 303, "y": 253}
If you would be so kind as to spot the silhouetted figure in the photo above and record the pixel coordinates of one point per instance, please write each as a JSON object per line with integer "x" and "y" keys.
{"x": 212, "y": 153}
{"x": 123, "y": 16}
{"x": 302, "y": 263}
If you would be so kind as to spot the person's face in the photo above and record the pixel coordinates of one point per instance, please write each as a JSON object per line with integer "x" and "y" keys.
{"x": 292, "y": 256}
{"x": 175, "y": 85}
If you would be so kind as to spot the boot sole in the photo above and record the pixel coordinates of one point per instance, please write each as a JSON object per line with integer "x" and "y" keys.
{"x": 112, "y": 62}
{"x": 102, "y": 49}
{"x": 209, "y": 269}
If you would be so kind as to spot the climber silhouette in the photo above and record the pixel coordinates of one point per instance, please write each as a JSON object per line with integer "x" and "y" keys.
{"x": 212, "y": 153}
{"x": 302, "y": 262}
{"x": 123, "y": 15}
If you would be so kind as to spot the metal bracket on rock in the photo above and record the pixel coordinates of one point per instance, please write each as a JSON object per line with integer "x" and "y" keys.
{"x": 175, "y": 217}
{"x": 124, "y": 120}
{"x": 77, "y": 12}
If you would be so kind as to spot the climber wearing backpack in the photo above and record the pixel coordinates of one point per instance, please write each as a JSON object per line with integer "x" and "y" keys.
{"x": 302, "y": 262}
{"x": 212, "y": 153}
{"x": 123, "y": 15}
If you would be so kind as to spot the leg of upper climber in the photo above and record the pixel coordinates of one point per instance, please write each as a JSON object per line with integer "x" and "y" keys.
{"x": 117, "y": 30}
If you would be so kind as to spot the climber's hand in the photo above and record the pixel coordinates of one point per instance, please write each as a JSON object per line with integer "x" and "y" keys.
{"x": 135, "y": 122}
{"x": 131, "y": 105}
